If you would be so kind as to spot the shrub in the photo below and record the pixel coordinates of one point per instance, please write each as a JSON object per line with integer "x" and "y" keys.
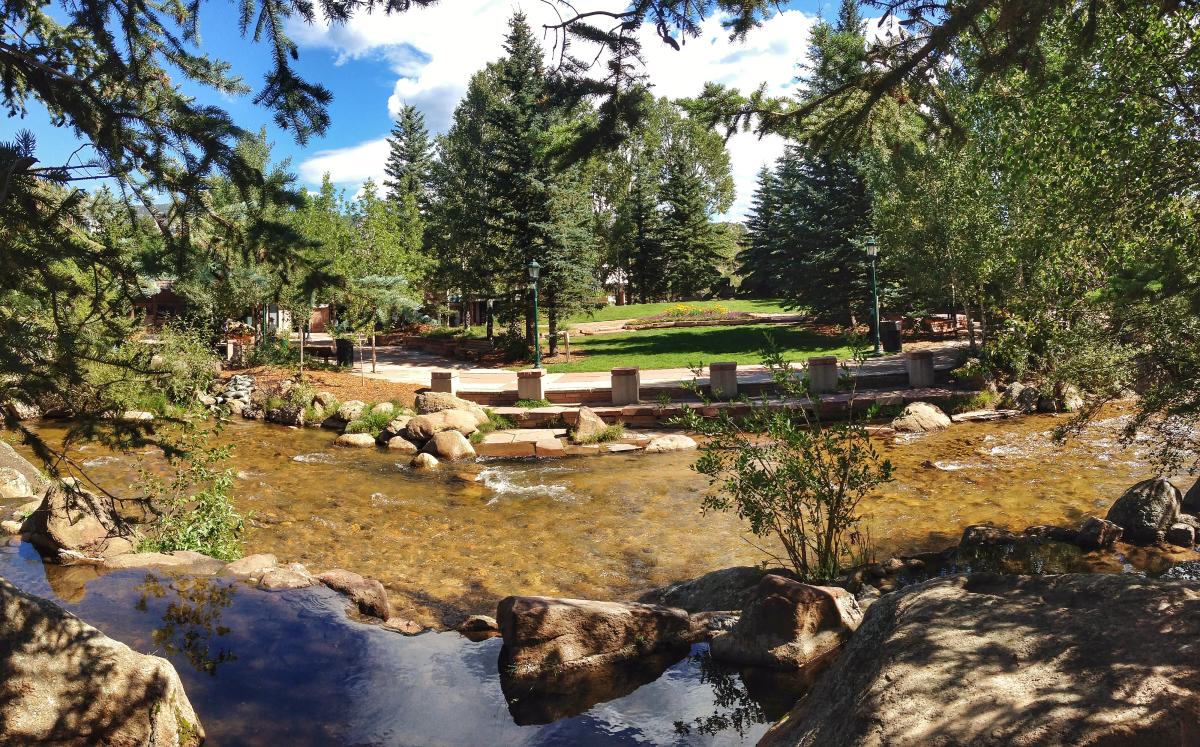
{"x": 193, "y": 507}
{"x": 370, "y": 422}
{"x": 532, "y": 403}
{"x": 493, "y": 423}
{"x": 791, "y": 476}
{"x": 184, "y": 363}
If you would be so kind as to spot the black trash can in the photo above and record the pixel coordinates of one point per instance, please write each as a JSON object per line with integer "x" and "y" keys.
{"x": 345, "y": 351}
{"x": 889, "y": 335}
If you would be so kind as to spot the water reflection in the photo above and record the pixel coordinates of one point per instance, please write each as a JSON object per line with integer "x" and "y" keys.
{"x": 746, "y": 699}
{"x": 191, "y": 621}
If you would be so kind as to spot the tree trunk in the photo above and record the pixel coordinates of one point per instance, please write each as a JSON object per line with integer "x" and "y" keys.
{"x": 970, "y": 327}
{"x": 302, "y": 328}
{"x": 552, "y": 330}
{"x": 372, "y": 351}
{"x": 491, "y": 321}
{"x": 983, "y": 328}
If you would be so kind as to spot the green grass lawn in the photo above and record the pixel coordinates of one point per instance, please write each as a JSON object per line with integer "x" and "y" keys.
{"x": 639, "y": 310}
{"x": 679, "y": 347}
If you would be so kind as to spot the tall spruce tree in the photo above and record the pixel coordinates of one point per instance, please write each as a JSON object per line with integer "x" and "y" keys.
{"x": 410, "y": 158}
{"x": 757, "y": 260}
{"x": 521, "y": 174}
{"x": 692, "y": 246}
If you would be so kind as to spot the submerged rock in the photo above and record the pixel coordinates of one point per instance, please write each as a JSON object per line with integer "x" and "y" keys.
{"x": 401, "y": 445}
{"x": 478, "y": 627}
{"x": 921, "y": 417}
{"x": 1147, "y": 510}
{"x": 367, "y": 594}
{"x": 251, "y": 565}
{"x": 424, "y": 462}
{"x": 673, "y": 442}
{"x": 403, "y": 625}
{"x": 1010, "y": 660}
{"x": 546, "y": 635}
{"x": 66, "y": 683}
{"x": 985, "y": 535}
{"x": 787, "y": 624}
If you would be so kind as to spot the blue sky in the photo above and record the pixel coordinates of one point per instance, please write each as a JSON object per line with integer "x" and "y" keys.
{"x": 375, "y": 64}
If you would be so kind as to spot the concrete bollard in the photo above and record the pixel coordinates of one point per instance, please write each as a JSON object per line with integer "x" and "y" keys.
{"x": 722, "y": 380}
{"x": 531, "y": 384}
{"x": 444, "y": 381}
{"x": 920, "y": 368}
{"x": 626, "y": 386}
{"x": 823, "y": 374}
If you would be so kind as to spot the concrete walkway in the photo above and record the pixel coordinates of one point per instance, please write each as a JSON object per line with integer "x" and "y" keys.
{"x": 414, "y": 367}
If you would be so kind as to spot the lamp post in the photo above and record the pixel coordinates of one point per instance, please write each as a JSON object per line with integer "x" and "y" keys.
{"x": 534, "y": 268}
{"x": 872, "y": 252}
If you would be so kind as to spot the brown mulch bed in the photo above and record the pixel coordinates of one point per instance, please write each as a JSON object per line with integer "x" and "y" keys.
{"x": 343, "y": 385}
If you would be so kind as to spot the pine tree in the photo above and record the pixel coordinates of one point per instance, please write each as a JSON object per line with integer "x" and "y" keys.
{"x": 757, "y": 262}
{"x": 692, "y": 247}
{"x": 410, "y": 157}
{"x": 568, "y": 265}
{"x": 521, "y": 174}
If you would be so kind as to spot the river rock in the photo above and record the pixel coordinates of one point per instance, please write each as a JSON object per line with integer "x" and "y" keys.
{"x": 1096, "y": 533}
{"x": 673, "y": 442}
{"x": 403, "y": 625}
{"x": 1069, "y": 398}
{"x": 394, "y": 428}
{"x": 787, "y": 624}
{"x": 236, "y": 407}
{"x": 18, "y": 410}
{"x": 324, "y": 399}
{"x": 73, "y": 519}
{"x": 726, "y": 589}
{"x": 355, "y": 440}
{"x": 12, "y": 464}
{"x": 383, "y": 408}
{"x": 478, "y": 627}
{"x": 13, "y": 484}
{"x": 588, "y": 426}
{"x": 367, "y": 594}
{"x": 546, "y": 635}
{"x": 986, "y": 534}
{"x": 1147, "y": 510}
{"x": 1191, "y": 501}
{"x": 450, "y": 445}
{"x": 1182, "y": 535}
{"x": 430, "y": 402}
{"x": 423, "y": 462}
{"x": 920, "y": 417}
{"x": 1081, "y": 659}
{"x": 291, "y": 576}
{"x": 401, "y": 444}
{"x": 351, "y": 410}
{"x": 137, "y": 416}
{"x": 10, "y": 526}
{"x": 1017, "y": 396}
{"x": 184, "y": 561}
{"x": 251, "y": 566}
{"x": 65, "y": 683}
{"x": 286, "y": 415}
{"x": 423, "y": 427}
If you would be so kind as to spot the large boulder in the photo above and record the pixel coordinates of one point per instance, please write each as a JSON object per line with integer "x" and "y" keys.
{"x": 1147, "y": 510}
{"x": 1010, "y": 660}
{"x": 14, "y": 485}
{"x": 423, "y": 427}
{"x": 920, "y": 417}
{"x": 545, "y": 635}
{"x": 18, "y": 410}
{"x": 368, "y": 595}
{"x": 12, "y": 464}
{"x": 787, "y": 624}
{"x": 66, "y": 683}
{"x": 588, "y": 426}
{"x": 726, "y": 589}
{"x": 181, "y": 561}
{"x": 75, "y": 520}
{"x": 450, "y": 445}
{"x": 1017, "y": 396}
{"x": 1096, "y": 533}
{"x": 1191, "y": 501}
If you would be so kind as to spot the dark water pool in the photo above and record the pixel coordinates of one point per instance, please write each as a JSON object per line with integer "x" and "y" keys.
{"x": 290, "y": 668}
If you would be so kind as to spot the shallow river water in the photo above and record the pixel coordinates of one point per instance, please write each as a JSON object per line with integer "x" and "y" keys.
{"x": 292, "y": 668}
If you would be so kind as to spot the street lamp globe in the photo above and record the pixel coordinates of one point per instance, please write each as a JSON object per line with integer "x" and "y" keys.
{"x": 534, "y": 268}
{"x": 872, "y": 247}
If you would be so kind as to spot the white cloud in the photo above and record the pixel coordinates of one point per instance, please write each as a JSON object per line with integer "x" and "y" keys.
{"x": 434, "y": 51}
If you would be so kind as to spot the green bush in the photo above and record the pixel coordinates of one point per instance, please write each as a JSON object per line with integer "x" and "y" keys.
{"x": 184, "y": 363}
{"x": 194, "y": 508}
{"x": 532, "y": 403}
{"x": 493, "y": 423}
{"x": 371, "y": 422}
